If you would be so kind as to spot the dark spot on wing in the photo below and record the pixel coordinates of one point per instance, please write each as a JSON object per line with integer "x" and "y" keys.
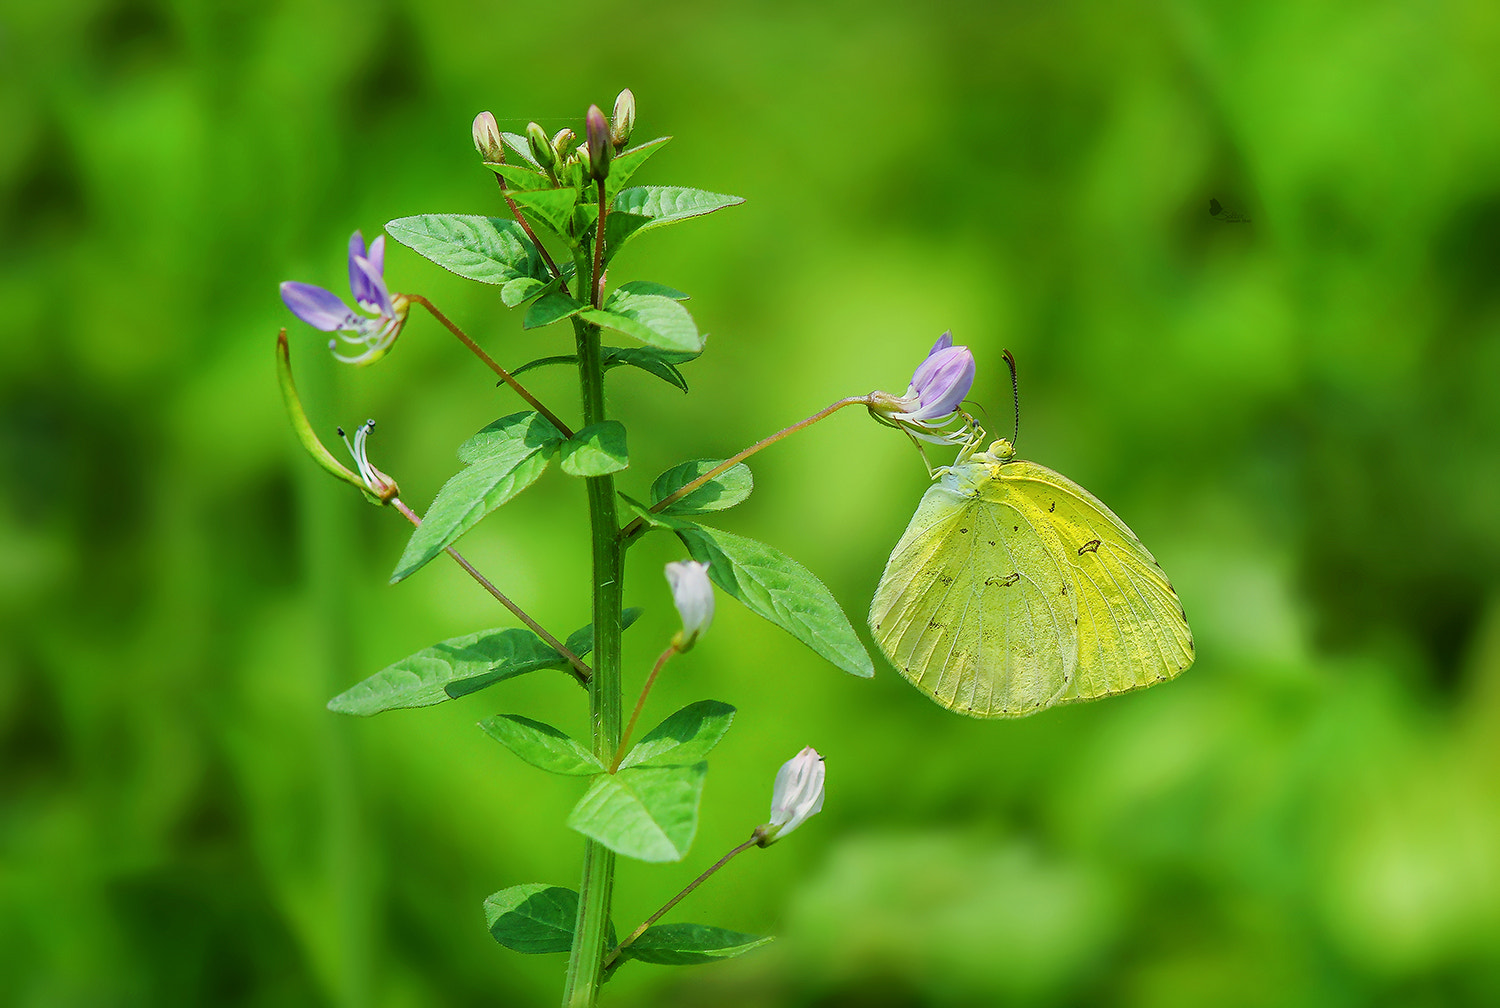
{"x": 1015, "y": 528}
{"x": 1092, "y": 546}
{"x": 1052, "y": 507}
{"x": 963, "y": 530}
{"x": 992, "y": 542}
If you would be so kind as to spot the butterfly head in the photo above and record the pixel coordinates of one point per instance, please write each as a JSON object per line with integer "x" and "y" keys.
{"x": 1001, "y": 450}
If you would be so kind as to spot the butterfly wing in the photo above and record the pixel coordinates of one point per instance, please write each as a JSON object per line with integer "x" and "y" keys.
{"x": 1132, "y": 631}
{"x": 972, "y": 608}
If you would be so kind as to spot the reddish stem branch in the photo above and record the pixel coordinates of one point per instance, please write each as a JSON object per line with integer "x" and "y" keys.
{"x": 580, "y": 671}
{"x": 490, "y": 362}
{"x": 636, "y": 714}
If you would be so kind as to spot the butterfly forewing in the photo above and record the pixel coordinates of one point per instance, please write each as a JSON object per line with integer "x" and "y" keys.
{"x": 1131, "y": 629}
{"x": 972, "y": 607}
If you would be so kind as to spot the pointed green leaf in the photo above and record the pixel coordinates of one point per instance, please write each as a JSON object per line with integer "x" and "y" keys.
{"x": 447, "y": 669}
{"x": 541, "y": 745}
{"x": 486, "y": 249}
{"x": 543, "y": 362}
{"x": 649, "y": 813}
{"x": 654, "y": 320}
{"x": 685, "y": 738}
{"x": 581, "y": 641}
{"x": 504, "y": 459}
{"x": 508, "y": 435}
{"x": 521, "y": 147}
{"x": 626, "y": 163}
{"x": 533, "y": 918}
{"x": 773, "y": 585}
{"x": 689, "y": 944}
{"x": 596, "y": 450}
{"x": 518, "y": 178}
{"x": 723, "y": 491}
{"x": 552, "y": 208}
{"x": 522, "y": 289}
{"x": 550, "y": 308}
{"x": 663, "y": 205}
{"x": 651, "y": 287}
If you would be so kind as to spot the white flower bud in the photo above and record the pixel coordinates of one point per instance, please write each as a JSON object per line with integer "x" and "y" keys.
{"x": 694, "y": 597}
{"x": 797, "y": 796}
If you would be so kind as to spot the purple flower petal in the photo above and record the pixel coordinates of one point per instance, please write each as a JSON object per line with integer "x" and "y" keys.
{"x": 377, "y": 255}
{"x": 370, "y": 291}
{"x": 943, "y": 342}
{"x": 319, "y": 308}
{"x": 942, "y": 381}
{"x": 364, "y": 293}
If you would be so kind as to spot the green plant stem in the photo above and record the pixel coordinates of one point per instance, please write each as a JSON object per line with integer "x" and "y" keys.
{"x": 596, "y": 888}
{"x": 635, "y": 715}
{"x": 489, "y": 361}
{"x": 614, "y": 955}
{"x": 634, "y": 528}
{"x": 581, "y": 672}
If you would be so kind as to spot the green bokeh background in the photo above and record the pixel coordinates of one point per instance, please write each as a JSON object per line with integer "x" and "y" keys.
{"x": 1298, "y": 415}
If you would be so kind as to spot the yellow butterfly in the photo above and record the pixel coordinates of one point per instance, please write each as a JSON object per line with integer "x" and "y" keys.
{"x": 1014, "y": 589}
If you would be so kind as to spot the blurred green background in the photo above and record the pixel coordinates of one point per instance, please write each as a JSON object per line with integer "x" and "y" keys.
{"x": 1298, "y": 415}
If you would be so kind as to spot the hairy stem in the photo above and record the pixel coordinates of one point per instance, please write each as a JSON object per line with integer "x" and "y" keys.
{"x": 580, "y": 671}
{"x": 634, "y": 528}
{"x": 614, "y": 955}
{"x": 596, "y": 888}
{"x": 489, "y": 361}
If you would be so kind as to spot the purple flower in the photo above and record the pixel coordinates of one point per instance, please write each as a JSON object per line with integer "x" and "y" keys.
{"x": 371, "y": 333}
{"x": 941, "y": 381}
{"x": 937, "y": 389}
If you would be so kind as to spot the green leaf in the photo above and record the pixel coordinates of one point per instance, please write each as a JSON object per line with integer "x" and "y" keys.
{"x": 543, "y": 362}
{"x": 773, "y": 585}
{"x": 552, "y": 208}
{"x": 541, "y": 745}
{"x": 516, "y": 432}
{"x": 581, "y": 641}
{"x": 520, "y": 178}
{"x": 505, "y": 458}
{"x": 450, "y": 668}
{"x": 533, "y": 918}
{"x": 627, "y": 163}
{"x": 550, "y": 308}
{"x": 685, "y": 738}
{"x": 654, "y": 320}
{"x": 689, "y": 944}
{"x": 663, "y": 205}
{"x": 486, "y": 249}
{"x": 522, "y": 289}
{"x": 649, "y": 813}
{"x": 651, "y": 287}
{"x": 723, "y": 491}
{"x": 519, "y": 145}
{"x": 596, "y": 450}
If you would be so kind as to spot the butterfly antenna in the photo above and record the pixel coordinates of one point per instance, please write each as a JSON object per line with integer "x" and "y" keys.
{"x": 1015, "y": 393}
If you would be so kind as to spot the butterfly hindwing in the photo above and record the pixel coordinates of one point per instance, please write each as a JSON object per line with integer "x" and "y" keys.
{"x": 972, "y": 608}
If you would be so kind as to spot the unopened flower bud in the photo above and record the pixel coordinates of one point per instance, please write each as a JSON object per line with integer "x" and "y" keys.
{"x": 541, "y": 147}
{"x": 487, "y": 138}
{"x": 796, "y": 797}
{"x": 694, "y": 597}
{"x": 563, "y": 142}
{"x": 623, "y": 123}
{"x": 600, "y": 148}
